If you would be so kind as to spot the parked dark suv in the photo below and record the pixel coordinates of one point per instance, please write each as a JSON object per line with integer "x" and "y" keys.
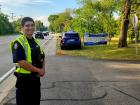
{"x": 45, "y": 33}
{"x": 39, "y": 35}
{"x": 70, "y": 40}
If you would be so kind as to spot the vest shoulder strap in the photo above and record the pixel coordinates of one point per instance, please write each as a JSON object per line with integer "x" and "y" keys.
{"x": 38, "y": 43}
{"x": 17, "y": 39}
{"x": 22, "y": 40}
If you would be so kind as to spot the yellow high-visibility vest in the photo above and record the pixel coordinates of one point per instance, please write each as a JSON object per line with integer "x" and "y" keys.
{"x": 24, "y": 43}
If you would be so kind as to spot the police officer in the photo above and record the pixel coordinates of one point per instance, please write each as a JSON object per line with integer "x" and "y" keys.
{"x": 28, "y": 57}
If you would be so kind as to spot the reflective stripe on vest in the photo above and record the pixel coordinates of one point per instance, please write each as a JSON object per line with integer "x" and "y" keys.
{"x": 24, "y": 43}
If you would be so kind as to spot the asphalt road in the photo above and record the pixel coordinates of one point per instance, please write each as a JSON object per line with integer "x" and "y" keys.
{"x": 80, "y": 81}
{"x": 5, "y": 53}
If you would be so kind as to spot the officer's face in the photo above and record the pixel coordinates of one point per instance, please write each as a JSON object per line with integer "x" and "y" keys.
{"x": 28, "y": 28}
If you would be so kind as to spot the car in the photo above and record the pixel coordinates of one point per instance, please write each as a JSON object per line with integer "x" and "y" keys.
{"x": 39, "y": 35}
{"x": 45, "y": 33}
{"x": 70, "y": 40}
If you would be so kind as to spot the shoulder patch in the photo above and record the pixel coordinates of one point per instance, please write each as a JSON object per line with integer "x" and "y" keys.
{"x": 15, "y": 46}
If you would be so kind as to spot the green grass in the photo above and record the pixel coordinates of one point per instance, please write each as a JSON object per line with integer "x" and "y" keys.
{"x": 104, "y": 52}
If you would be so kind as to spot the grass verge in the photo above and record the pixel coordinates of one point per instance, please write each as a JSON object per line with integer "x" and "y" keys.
{"x": 103, "y": 52}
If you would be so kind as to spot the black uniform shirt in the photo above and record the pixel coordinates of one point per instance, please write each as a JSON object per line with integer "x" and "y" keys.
{"x": 19, "y": 53}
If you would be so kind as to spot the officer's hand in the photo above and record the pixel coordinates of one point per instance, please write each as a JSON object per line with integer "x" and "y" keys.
{"x": 41, "y": 72}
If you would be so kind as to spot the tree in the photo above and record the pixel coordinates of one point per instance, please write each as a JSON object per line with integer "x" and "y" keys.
{"x": 52, "y": 18}
{"x": 125, "y": 23}
{"x": 60, "y": 22}
{"x": 5, "y": 25}
{"x": 17, "y": 25}
{"x": 95, "y": 17}
{"x": 39, "y": 26}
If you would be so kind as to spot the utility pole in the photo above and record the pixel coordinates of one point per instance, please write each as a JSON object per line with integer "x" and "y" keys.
{"x": 12, "y": 16}
{"x": 21, "y": 16}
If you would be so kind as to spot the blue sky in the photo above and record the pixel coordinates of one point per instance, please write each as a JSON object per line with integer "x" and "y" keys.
{"x": 37, "y": 9}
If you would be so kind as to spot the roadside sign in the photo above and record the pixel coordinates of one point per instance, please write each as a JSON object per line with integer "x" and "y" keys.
{"x": 135, "y": 21}
{"x": 95, "y": 39}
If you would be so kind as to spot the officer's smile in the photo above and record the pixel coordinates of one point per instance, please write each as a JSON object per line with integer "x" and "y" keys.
{"x": 29, "y": 28}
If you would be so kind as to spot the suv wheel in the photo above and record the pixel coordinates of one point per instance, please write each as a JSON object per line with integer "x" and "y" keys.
{"x": 62, "y": 48}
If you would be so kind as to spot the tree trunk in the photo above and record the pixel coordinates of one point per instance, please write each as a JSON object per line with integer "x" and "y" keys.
{"x": 125, "y": 24}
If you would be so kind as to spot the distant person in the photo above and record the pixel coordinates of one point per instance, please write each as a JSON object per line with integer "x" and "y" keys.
{"x": 29, "y": 58}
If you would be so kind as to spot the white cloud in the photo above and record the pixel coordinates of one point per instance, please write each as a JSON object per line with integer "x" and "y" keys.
{"x": 41, "y": 1}
{"x": 23, "y": 2}
{"x": 43, "y": 19}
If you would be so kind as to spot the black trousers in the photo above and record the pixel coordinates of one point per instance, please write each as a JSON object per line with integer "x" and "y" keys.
{"x": 28, "y": 90}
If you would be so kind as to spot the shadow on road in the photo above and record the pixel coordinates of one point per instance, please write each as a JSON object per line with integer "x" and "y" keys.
{"x": 9, "y": 104}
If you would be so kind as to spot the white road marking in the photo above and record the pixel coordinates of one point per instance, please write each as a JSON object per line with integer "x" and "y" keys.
{"x": 7, "y": 74}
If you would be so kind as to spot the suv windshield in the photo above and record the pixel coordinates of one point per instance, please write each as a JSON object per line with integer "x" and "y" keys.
{"x": 72, "y": 35}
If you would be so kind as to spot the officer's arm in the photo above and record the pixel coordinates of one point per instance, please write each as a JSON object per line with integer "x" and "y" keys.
{"x": 44, "y": 65}
{"x": 20, "y": 57}
{"x": 24, "y": 64}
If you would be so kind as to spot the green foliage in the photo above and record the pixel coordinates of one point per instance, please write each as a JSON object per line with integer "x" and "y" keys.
{"x": 5, "y": 25}
{"x": 52, "y": 18}
{"x": 17, "y": 25}
{"x": 96, "y": 17}
{"x": 40, "y": 26}
{"x": 60, "y": 22}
